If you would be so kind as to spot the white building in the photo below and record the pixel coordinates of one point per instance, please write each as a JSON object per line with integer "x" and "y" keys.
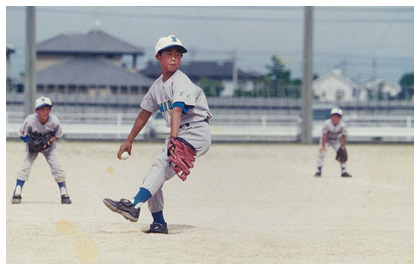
{"x": 379, "y": 89}
{"x": 333, "y": 87}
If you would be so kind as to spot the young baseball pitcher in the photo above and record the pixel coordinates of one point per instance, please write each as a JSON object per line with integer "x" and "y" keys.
{"x": 185, "y": 109}
{"x": 334, "y": 134}
{"x": 39, "y": 132}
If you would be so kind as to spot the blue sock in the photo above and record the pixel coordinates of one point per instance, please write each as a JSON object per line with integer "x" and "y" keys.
{"x": 19, "y": 186}
{"x": 142, "y": 196}
{"x": 320, "y": 169}
{"x": 63, "y": 188}
{"x": 158, "y": 217}
{"x": 20, "y": 182}
{"x": 62, "y": 184}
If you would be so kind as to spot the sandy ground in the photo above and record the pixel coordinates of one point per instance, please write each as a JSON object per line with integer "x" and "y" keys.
{"x": 242, "y": 204}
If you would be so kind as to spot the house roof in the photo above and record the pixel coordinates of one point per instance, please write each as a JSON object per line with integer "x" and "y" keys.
{"x": 199, "y": 69}
{"x": 383, "y": 85}
{"x": 89, "y": 70}
{"x": 378, "y": 81}
{"x": 92, "y": 42}
{"x": 334, "y": 74}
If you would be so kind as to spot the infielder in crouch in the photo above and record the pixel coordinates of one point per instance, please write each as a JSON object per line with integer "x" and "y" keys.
{"x": 334, "y": 134}
{"x": 39, "y": 132}
{"x": 185, "y": 109}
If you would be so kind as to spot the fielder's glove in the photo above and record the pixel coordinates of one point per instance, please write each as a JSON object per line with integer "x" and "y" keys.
{"x": 341, "y": 154}
{"x": 181, "y": 156}
{"x": 38, "y": 142}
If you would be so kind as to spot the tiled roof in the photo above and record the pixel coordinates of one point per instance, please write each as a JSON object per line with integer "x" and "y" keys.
{"x": 199, "y": 69}
{"x": 90, "y": 71}
{"x": 93, "y": 42}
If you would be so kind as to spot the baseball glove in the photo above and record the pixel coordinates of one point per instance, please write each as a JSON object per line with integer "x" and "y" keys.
{"x": 341, "y": 154}
{"x": 181, "y": 156}
{"x": 38, "y": 142}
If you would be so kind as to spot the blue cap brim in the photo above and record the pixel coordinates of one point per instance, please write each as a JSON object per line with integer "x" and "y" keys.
{"x": 43, "y": 105}
{"x": 174, "y": 45}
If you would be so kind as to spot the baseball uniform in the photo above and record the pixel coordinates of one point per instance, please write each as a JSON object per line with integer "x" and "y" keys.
{"x": 32, "y": 124}
{"x": 46, "y": 125}
{"x": 194, "y": 127}
{"x": 333, "y": 138}
{"x": 172, "y": 90}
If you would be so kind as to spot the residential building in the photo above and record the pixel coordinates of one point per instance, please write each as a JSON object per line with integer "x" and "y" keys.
{"x": 335, "y": 87}
{"x": 88, "y": 63}
{"x": 379, "y": 89}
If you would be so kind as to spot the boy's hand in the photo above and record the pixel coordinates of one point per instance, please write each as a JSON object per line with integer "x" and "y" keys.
{"x": 125, "y": 147}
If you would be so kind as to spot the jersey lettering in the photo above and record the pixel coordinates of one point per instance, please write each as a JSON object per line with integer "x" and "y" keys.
{"x": 179, "y": 88}
{"x": 165, "y": 106}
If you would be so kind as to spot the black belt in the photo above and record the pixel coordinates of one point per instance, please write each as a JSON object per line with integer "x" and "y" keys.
{"x": 188, "y": 124}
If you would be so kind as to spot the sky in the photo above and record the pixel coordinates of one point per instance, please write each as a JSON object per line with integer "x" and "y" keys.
{"x": 366, "y": 42}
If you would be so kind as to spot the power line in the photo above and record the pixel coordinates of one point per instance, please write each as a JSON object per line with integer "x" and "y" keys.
{"x": 226, "y": 18}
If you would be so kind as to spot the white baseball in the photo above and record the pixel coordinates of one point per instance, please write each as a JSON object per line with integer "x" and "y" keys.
{"x": 124, "y": 155}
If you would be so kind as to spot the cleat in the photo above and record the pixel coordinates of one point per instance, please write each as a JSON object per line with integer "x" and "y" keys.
{"x": 345, "y": 174}
{"x": 318, "y": 174}
{"x": 124, "y": 207}
{"x": 65, "y": 199}
{"x": 16, "y": 199}
{"x": 158, "y": 228}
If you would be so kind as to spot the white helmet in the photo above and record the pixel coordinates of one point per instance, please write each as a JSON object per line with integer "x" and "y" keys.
{"x": 336, "y": 111}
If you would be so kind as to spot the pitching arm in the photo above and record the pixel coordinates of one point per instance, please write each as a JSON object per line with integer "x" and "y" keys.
{"x": 139, "y": 124}
{"x": 175, "y": 121}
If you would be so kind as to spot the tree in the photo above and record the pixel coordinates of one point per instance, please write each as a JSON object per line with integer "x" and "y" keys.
{"x": 278, "y": 81}
{"x": 211, "y": 88}
{"x": 407, "y": 79}
{"x": 407, "y": 86}
{"x": 277, "y": 72}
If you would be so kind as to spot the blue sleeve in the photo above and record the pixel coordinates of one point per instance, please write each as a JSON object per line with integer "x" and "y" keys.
{"x": 182, "y": 106}
{"x": 25, "y": 139}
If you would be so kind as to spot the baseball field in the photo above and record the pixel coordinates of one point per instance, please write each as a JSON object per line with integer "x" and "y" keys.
{"x": 243, "y": 203}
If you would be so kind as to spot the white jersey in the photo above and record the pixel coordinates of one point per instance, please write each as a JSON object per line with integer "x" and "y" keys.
{"x": 178, "y": 88}
{"x": 161, "y": 97}
{"x": 334, "y": 132}
{"x": 32, "y": 124}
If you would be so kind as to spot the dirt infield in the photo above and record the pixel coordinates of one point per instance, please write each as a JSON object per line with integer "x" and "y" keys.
{"x": 242, "y": 204}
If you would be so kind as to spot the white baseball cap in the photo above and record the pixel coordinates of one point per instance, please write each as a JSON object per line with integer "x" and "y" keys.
{"x": 167, "y": 42}
{"x": 42, "y": 101}
{"x": 336, "y": 111}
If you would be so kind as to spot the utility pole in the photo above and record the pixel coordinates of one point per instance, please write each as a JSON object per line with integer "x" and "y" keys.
{"x": 306, "y": 107}
{"x": 235, "y": 70}
{"x": 30, "y": 60}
